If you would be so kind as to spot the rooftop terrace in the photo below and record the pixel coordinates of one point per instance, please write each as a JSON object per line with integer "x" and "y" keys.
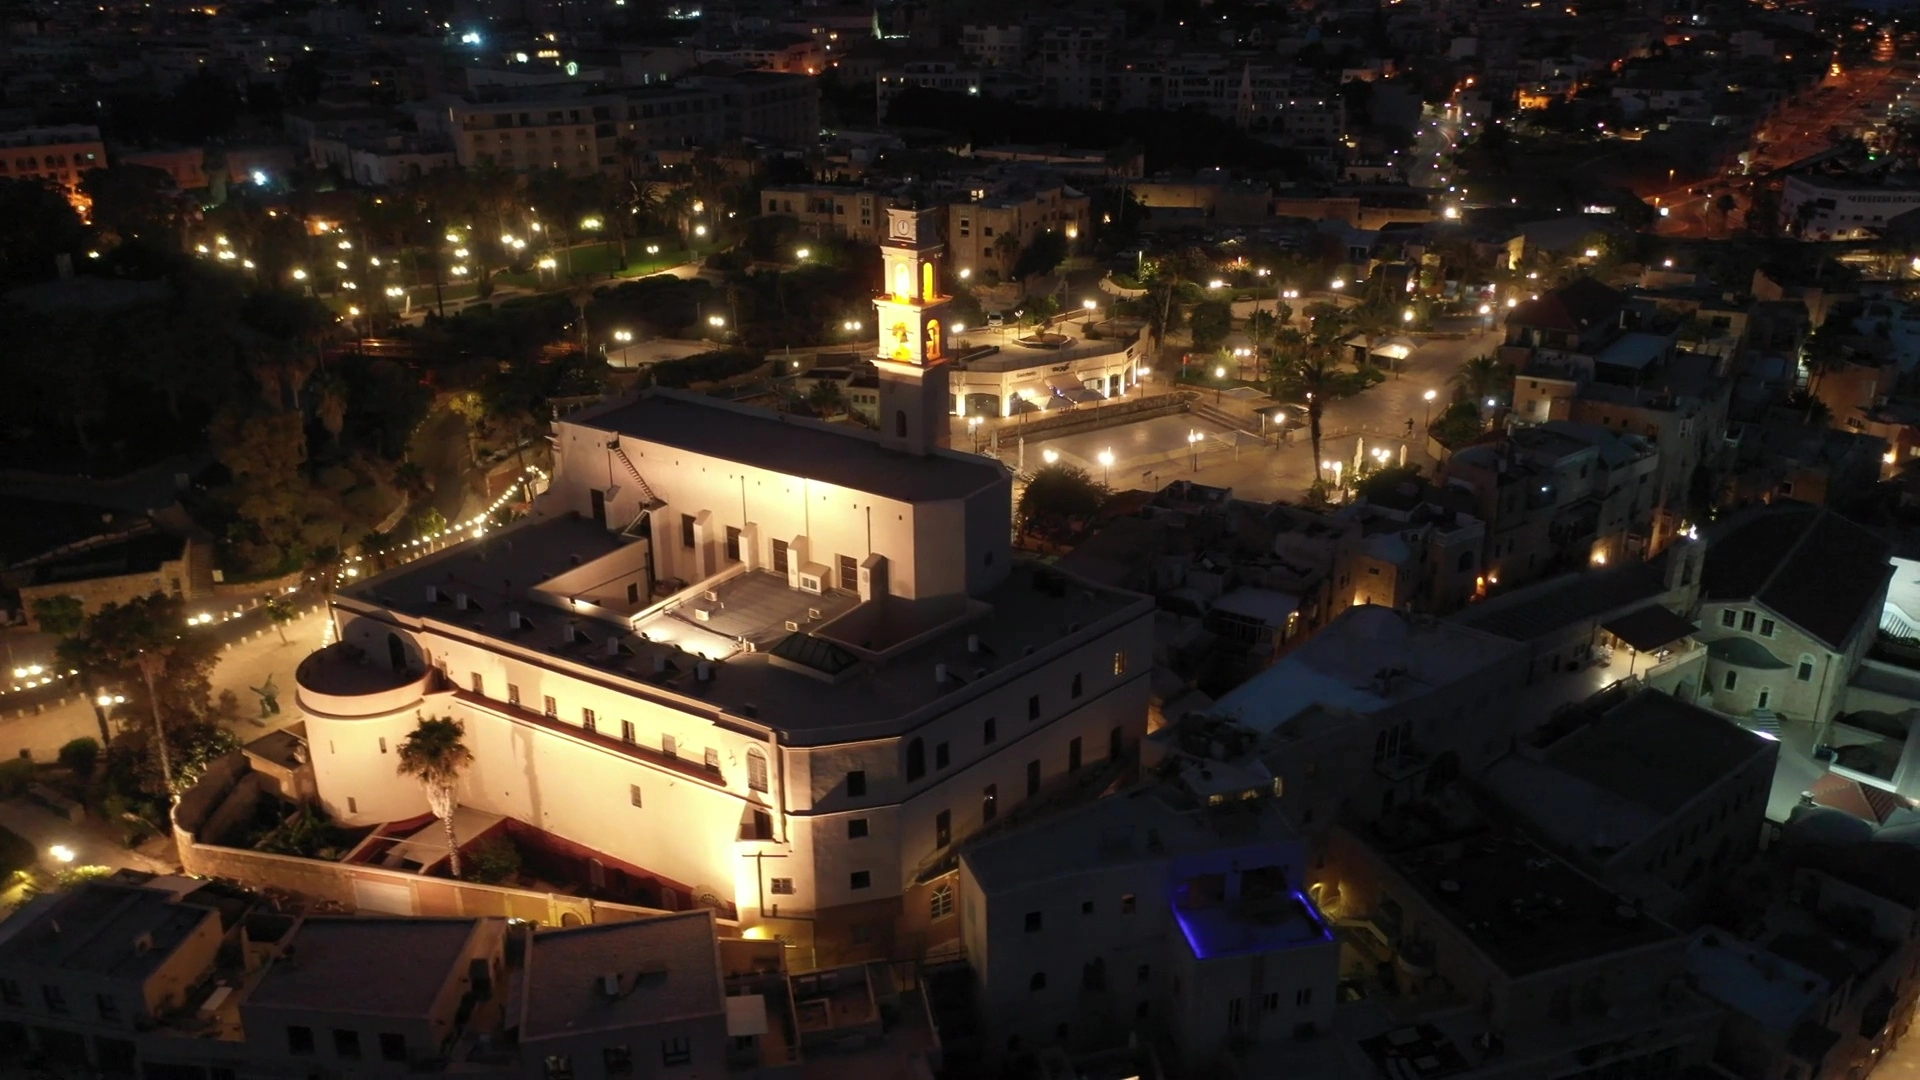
{"x": 822, "y": 667}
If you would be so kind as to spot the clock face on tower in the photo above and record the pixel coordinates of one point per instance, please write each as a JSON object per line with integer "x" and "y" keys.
{"x": 903, "y": 228}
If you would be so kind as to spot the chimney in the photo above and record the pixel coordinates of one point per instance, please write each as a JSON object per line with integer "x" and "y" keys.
{"x": 572, "y": 633}
{"x": 613, "y": 645}
{"x": 460, "y": 601}
{"x": 703, "y": 671}
{"x": 660, "y": 663}
{"x": 433, "y": 594}
{"x": 515, "y": 620}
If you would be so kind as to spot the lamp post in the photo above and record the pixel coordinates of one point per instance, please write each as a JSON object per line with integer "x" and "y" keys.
{"x": 625, "y": 338}
{"x": 1050, "y": 456}
{"x": 1092, "y": 307}
{"x": 1106, "y": 466}
{"x": 1428, "y": 397}
{"x": 1193, "y": 449}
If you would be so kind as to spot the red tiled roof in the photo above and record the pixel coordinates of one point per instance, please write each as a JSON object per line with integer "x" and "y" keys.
{"x": 1864, "y": 801}
{"x": 1572, "y": 307}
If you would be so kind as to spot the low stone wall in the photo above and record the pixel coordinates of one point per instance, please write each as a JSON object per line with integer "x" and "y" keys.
{"x": 253, "y": 590}
{"x": 1087, "y": 418}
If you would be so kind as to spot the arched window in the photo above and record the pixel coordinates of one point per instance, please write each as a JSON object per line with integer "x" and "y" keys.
{"x": 940, "y": 905}
{"x": 756, "y": 770}
{"x": 928, "y": 287}
{"x": 916, "y": 759}
{"x": 900, "y": 423}
{"x": 933, "y": 339}
{"x": 902, "y": 282}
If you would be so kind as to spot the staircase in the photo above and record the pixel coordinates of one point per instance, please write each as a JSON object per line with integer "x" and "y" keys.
{"x": 1894, "y": 624}
{"x": 648, "y": 500}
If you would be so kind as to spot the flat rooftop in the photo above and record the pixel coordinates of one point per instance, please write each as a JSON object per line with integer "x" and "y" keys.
{"x": 661, "y": 969}
{"x": 824, "y": 680}
{"x": 1658, "y": 751}
{"x": 117, "y": 931}
{"x": 1344, "y": 665}
{"x": 1748, "y": 979}
{"x": 1547, "y": 607}
{"x": 342, "y": 669}
{"x": 381, "y": 967}
{"x": 1528, "y": 910}
{"x": 831, "y": 454}
{"x": 1014, "y": 356}
{"x": 1137, "y": 827}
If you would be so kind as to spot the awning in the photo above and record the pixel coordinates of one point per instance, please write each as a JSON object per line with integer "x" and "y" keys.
{"x": 1649, "y": 628}
{"x": 1064, "y": 382}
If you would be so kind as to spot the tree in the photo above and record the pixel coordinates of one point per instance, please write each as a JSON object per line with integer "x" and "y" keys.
{"x": 281, "y": 613}
{"x": 133, "y": 201}
{"x": 1057, "y": 493}
{"x": 144, "y": 638}
{"x": 1005, "y": 247}
{"x": 1372, "y": 321}
{"x": 1481, "y": 378}
{"x": 436, "y": 755}
{"x": 377, "y": 545}
{"x": 263, "y": 449}
{"x": 61, "y": 615}
{"x": 37, "y": 224}
{"x": 824, "y": 397}
{"x": 1212, "y": 321}
{"x": 1309, "y": 376}
{"x": 1041, "y": 256}
{"x": 1459, "y": 425}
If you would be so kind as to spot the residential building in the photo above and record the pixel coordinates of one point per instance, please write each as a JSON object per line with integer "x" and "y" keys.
{"x": 946, "y": 76}
{"x": 1073, "y": 65}
{"x": 794, "y": 54}
{"x": 1842, "y": 208}
{"x": 59, "y": 154}
{"x": 1164, "y": 909}
{"x": 806, "y": 646}
{"x": 856, "y": 213}
{"x": 1657, "y": 799}
{"x": 991, "y": 227}
{"x": 1790, "y": 602}
{"x": 994, "y": 45}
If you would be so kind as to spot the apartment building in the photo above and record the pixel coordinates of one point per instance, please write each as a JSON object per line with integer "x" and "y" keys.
{"x": 1073, "y": 63}
{"x": 994, "y": 45}
{"x": 806, "y": 647}
{"x": 1174, "y": 908}
{"x": 58, "y": 154}
{"x": 1841, "y": 208}
{"x": 794, "y": 54}
{"x": 947, "y": 76}
{"x": 991, "y": 225}
{"x": 831, "y": 209}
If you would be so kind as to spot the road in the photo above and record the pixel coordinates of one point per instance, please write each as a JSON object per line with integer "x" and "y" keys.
{"x": 1151, "y": 453}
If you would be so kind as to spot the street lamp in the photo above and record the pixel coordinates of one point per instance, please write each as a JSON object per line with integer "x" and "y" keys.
{"x": 1429, "y": 396}
{"x": 699, "y": 230}
{"x": 802, "y": 254}
{"x": 1106, "y": 466}
{"x": 1050, "y": 456}
{"x": 299, "y": 275}
{"x": 590, "y": 224}
{"x": 1337, "y": 283}
{"x": 653, "y": 249}
{"x": 625, "y": 338}
{"x": 1193, "y": 449}
{"x": 965, "y": 273}
{"x": 1406, "y": 315}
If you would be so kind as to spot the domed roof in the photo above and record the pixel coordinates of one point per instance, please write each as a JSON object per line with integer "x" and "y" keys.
{"x": 1371, "y": 622}
{"x": 1387, "y": 547}
{"x": 1825, "y": 825}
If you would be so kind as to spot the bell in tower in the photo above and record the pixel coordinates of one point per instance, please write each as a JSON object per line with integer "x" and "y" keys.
{"x": 911, "y": 313}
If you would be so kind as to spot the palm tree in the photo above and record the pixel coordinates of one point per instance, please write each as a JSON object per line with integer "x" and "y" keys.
{"x": 330, "y": 404}
{"x": 1482, "y": 377}
{"x": 1309, "y": 374}
{"x": 1372, "y": 321}
{"x": 1006, "y": 247}
{"x": 436, "y": 754}
{"x": 376, "y": 545}
{"x": 141, "y": 634}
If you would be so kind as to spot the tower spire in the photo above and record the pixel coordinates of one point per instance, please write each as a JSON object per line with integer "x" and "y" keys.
{"x": 911, "y": 314}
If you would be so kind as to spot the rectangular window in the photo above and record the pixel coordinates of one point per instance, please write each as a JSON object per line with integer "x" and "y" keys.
{"x": 733, "y": 544}
{"x": 109, "y": 1008}
{"x": 1033, "y": 707}
{"x": 1271, "y": 1002}
{"x": 1733, "y": 677}
{"x": 1143, "y": 974}
{"x": 513, "y": 695}
{"x": 1746, "y": 620}
{"x": 627, "y": 734}
{"x": 346, "y": 1044}
{"x": 989, "y": 803}
{"x": 1726, "y": 618}
{"x": 587, "y": 720}
{"x": 1034, "y": 922}
{"x": 670, "y": 746}
{"x": 56, "y": 999}
{"x": 780, "y": 886}
{"x": 676, "y": 1051}
{"x": 618, "y": 1060}
{"x": 857, "y": 783}
{"x": 393, "y": 1046}
{"x": 860, "y": 879}
{"x": 686, "y": 530}
{"x": 353, "y": 805}
{"x": 943, "y": 828}
{"x": 1073, "y": 755}
{"x": 712, "y": 760}
{"x": 779, "y": 556}
{"x": 1033, "y": 778}
{"x": 756, "y": 771}
{"x": 633, "y": 794}
{"x": 761, "y": 828}
{"x": 550, "y": 708}
{"x": 849, "y": 573}
{"x": 10, "y": 992}
{"x": 1766, "y": 627}
{"x": 987, "y": 732}
{"x": 479, "y": 685}
{"x": 940, "y": 756}
{"x": 856, "y": 828}
{"x": 1119, "y": 663}
{"x": 383, "y": 744}
{"x": 1234, "y": 1014}
{"x": 1805, "y": 674}
{"x": 1126, "y": 904}
{"x": 1303, "y": 997}
{"x": 299, "y": 1040}
{"x": 1116, "y": 743}
{"x": 1078, "y": 685}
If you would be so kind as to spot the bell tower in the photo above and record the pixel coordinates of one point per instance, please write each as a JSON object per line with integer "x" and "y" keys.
{"x": 911, "y": 353}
